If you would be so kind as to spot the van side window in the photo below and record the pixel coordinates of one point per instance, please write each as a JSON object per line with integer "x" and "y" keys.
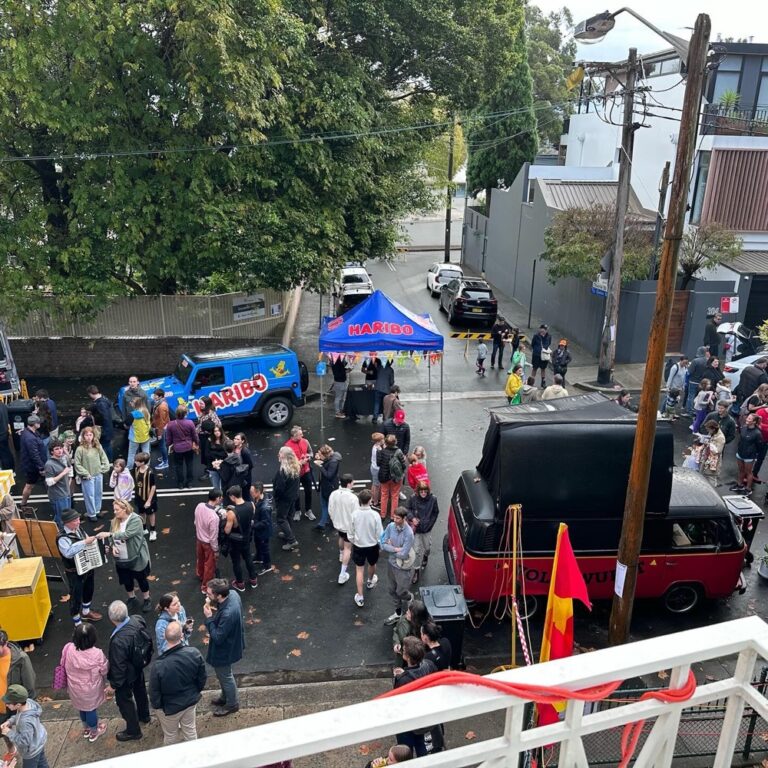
{"x": 695, "y": 533}
{"x": 209, "y": 377}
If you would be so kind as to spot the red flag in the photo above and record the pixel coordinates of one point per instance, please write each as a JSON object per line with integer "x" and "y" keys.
{"x": 566, "y": 583}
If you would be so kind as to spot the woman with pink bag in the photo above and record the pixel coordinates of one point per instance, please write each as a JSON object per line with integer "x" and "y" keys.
{"x": 86, "y": 678}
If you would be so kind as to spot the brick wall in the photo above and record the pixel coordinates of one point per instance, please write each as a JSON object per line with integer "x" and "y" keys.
{"x": 68, "y": 356}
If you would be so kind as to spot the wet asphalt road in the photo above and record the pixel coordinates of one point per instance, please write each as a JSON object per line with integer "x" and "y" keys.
{"x": 301, "y": 624}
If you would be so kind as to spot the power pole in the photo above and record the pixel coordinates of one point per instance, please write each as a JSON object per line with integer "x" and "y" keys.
{"x": 663, "y": 186}
{"x": 449, "y": 195}
{"x": 639, "y": 473}
{"x": 608, "y": 339}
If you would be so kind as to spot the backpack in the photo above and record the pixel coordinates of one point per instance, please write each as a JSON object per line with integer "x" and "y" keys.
{"x": 668, "y": 368}
{"x": 143, "y": 647}
{"x": 397, "y": 466}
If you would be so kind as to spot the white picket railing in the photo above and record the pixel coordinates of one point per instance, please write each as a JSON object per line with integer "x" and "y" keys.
{"x": 324, "y": 731}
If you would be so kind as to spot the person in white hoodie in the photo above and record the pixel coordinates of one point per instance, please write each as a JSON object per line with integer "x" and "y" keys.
{"x": 342, "y": 504}
{"x": 364, "y": 533}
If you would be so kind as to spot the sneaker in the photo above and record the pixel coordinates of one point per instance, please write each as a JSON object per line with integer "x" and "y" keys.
{"x": 310, "y": 515}
{"x": 224, "y": 711}
{"x": 393, "y": 619}
{"x": 746, "y": 491}
{"x": 162, "y": 465}
{"x": 290, "y": 546}
{"x": 146, "y": 607}
{"x": 146, "y": 531}
{"x": 372, "y": 582}
{"x": 153, "y": 535}
{"x": 736, "y": 488}
{"x": 376, "y": 507}
{"x": 238, "y": 585}
{"x": 266, "y": 570}
{"x": 359, "y": 601}
{"x": 86, "y": 734}
{"x": 100, "y": 730}
{"x": 91, "y": 616}
{"x": 343, "y": 577}
{"x": 253, "y": 583}
{"x": 125, "y": 736}
{"x": 296, "y": 517}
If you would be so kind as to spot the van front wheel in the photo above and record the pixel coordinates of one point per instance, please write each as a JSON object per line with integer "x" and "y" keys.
{"x": 682, "y": 598}
{"x": 277, "y": 412}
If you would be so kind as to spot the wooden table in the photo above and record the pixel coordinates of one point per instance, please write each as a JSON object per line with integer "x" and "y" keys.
{"x": 25, "y": 603}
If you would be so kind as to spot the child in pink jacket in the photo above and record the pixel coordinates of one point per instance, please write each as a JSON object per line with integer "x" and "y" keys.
{"x": 86, "y": 667}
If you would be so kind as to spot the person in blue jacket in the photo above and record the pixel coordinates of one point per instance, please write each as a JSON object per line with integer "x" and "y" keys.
{"x": 33, "y": 456}
{"x": 226, "y": 630}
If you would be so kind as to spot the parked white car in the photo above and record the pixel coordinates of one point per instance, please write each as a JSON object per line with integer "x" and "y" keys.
{"x": 733, "y": 369}
{"x": 441, "y": 273}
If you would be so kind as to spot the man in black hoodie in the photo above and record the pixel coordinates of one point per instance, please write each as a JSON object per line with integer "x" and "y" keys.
{"x": 415, "y": 667}
{"x": 398, "y": 427}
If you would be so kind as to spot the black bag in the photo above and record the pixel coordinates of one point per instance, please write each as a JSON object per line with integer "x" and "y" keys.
{"x": 143, "y": 647}
{"x": 222, "y": 538}
{"x": 668, "y": 368}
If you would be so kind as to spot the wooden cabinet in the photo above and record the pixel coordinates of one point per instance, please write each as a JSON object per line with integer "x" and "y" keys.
{"x": 25, "y": 603}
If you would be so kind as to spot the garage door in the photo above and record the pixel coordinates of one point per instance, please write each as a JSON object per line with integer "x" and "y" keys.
{"x": 757, "y": 304}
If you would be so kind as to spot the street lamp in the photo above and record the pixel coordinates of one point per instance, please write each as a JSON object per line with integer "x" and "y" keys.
{"x": 596, "y": 27}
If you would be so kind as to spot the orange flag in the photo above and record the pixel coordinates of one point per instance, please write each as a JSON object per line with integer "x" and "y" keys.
{"x": 566, "y": 583}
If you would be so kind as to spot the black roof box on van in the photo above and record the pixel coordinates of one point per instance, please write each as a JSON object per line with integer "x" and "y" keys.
{"x": 570, "y": 456}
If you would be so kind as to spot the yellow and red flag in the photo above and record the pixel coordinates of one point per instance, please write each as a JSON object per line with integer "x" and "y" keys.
{"x": 566, "y": 583}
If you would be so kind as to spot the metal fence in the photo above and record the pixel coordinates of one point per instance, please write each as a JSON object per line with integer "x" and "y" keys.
{"x": 230, "y": 315}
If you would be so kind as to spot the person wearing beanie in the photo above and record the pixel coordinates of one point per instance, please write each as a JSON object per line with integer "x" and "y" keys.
{"x": 23, "y": 728}
{"x": 71, "y": 540}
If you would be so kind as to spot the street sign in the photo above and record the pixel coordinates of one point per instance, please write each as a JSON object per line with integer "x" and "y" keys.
{"x": 321, "y": 368}
{"x": 729, "y": 305}
{"x": 600, "y": 286}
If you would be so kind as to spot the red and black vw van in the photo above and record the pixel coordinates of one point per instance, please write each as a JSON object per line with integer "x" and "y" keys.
{"x": 567, "y": 460}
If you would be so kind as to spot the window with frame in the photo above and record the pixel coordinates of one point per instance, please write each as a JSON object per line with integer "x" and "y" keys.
{"x": 728, "y": 77}
{"x": 700, "y": 186}
{"x": 209, "y": 377}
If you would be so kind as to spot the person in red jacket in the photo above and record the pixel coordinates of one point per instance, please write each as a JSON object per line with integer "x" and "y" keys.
{"x": 303, "y": 450}
{"x": 417, "y": 467}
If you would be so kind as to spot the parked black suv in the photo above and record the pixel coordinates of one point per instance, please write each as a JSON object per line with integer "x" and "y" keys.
{"x": 468, "y": 299}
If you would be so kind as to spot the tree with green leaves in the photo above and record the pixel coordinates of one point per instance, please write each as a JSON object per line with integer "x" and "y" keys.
{"x": 183, "y": 146}
{"x": 551, "y": 53}
{"x": 578, "y": 238}
{"x": 499, "y": 146}
{"x": 705, "y": 247}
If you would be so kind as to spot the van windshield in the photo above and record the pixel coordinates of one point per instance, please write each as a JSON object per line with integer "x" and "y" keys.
{"x": 183, "y": 370}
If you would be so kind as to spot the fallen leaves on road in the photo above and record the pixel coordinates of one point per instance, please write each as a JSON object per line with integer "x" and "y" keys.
{"x": 359, "y": 623}
{"x": 287, "y": 577}
{"x": 364, "y": 749}
{"x": 202, "y": 628}
{"x": 663, "y": 674}
{"x": 296, "y": 567}
{"x": 469, "y": 735}
{"x": 151, "y": 578}
{"x": 302, "y": 635}
{"x": 64, "y": 599}
{"x": 295, "y": 652}
{"x": 29, "y": 648}
{"x": 57, "y": 706}
{"x": 763, "y": 735}
{"x": 44, "y": 699}
{"x": 165, "y": 531}
{"x": 176, "y": 581}
{"x": 313, "y": 568}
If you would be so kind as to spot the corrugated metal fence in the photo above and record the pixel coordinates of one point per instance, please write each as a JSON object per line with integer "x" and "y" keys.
{"x": 230, "y": 315}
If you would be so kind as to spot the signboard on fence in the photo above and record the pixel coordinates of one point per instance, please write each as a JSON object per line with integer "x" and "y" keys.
{"x": 729, "y": 305}
{"x": 246, "y": 308}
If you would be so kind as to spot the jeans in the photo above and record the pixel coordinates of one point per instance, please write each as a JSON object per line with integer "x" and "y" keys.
{"x": 242, "y": 551}
{"x": 91, "y": 719}
{"x": 38, "y": 761}
{"x": 693, "y": 388}
{"x": 378, "y": 402}
{"x": 58, "y": 506}
{"x": 498, "y": 346}
{"x": 205, "y": 562}
{"x": 262, "y": 552}
{"x": 215, "y": 479}
{"x": 163, "y": 447}
{"x": 325, "y": 518}
{"x": 106, "y": 444}
{"x": 180, "y": 726}
{"x": 182, "y": 466}
{"x": 46, "y": 442}
{"x": 228, "y": 685}
{"x": 133, "y": 704}
{"x": 133, "y": 449}
{"x": 92, "y": 491}
{"x": 339, "y": 393}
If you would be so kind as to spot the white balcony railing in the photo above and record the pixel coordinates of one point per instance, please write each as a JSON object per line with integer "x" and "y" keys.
{"x": 319, "y": 733}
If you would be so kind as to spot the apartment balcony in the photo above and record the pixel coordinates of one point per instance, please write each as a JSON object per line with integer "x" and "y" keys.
{"x": 718, "y": 121}
{"x": 744, "y": 641}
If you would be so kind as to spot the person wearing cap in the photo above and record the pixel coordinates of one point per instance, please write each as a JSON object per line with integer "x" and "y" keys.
{"x": 541, "y": 352}
{"x": 71, "y": 540}
{"x": 58, "y": 473}
{"x": 399, "y": 427}
{"x": 561, "y": 358}
{"x": 15, "y": 669}
{"x": 33, "y": 456}
{"x": 23, "y": 728}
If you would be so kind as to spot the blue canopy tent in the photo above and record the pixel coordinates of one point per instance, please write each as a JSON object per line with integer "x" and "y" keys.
{"x": 380, "y": 325}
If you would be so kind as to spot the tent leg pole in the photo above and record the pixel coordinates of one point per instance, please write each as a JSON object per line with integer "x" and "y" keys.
{"x": 441, "y": 388}
{"x": 429, "y": 374}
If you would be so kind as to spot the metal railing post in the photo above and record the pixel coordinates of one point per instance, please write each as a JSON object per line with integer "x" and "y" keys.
{"x": 734, "y": 710}
{"x": 753, "y": 717}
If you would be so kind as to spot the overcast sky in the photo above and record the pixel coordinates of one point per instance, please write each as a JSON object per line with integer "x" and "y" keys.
{"x": 731, "y": 18}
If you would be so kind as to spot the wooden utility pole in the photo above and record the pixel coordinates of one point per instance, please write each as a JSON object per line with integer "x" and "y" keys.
{"x": 663, "y": 186}
{"x": 610, "y": 321}
{"x": 449, "y": 195}
{"x": 639, "y": 473}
